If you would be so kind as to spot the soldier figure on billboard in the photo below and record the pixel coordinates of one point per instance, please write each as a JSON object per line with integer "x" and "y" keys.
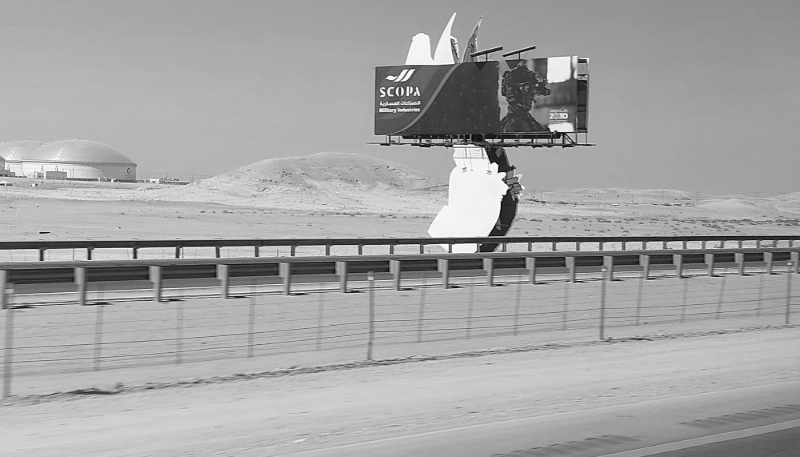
{"x": 520, "y": 86}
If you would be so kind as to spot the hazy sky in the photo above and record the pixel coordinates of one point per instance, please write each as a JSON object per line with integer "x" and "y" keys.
{"x": 692, "y": 95}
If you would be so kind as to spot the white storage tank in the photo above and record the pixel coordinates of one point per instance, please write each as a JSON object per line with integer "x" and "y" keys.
{"x": 14, "y": 151}
{"x": 80, "y": 159}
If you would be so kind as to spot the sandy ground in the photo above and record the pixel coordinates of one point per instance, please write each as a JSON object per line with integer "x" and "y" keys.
{"x": 281, "y": 415}
{"x": 284, "y": 415}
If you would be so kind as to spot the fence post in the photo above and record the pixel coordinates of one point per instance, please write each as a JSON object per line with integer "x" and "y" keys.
{"x": 251, "y": 323}
{"x": 421, "y": 316}
{"x": 320, "y": 315}
{"x": 788, "y": 292}
{"x": 178, "y": 332}
{"x": 80, "y": 280}
{"x": 285, "y": 271}
{"x": 444, "y": 268}
{"x": 685, "y": 298}
{"x": 371, "y": 343}
{"x": 530, "y": 265}
{"x": 677, "y": 260}
{"x": 469, "y": 308}
{"x": 721, "y": 297}
{"x": 223, "y": 274}
{"x": 8, "y": 352}
{"x": 341, "y": 272}
{"x": 156, "y": 279}
{"x": 488, "y": 267}
{"x": 640, "y": 294}
{"x": 3, "y": 285}
{"x": 98, "y": 337}
{"x": 394, "y": 269}
{"x": 566, "y": 307}
{"x": 517, "y": 305}
{"x": 603, "y": 303}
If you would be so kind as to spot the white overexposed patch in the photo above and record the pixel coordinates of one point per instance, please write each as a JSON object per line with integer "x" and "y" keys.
{"x": 559, "y": 69}
{"x": 420, "y": 51}
{"x": 473, "y": 204}
{"x": 443, "y": 55}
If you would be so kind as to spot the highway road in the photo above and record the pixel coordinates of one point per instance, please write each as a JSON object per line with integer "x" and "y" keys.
{"x": 748, "y": 422}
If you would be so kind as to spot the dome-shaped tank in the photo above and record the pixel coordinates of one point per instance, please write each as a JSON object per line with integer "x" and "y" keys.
{"x": 80, "y": 159}
{"x": 14, "y": 151}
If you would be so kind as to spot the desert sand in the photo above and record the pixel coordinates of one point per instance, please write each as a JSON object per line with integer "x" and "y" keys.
{"x": 339, "y": 195}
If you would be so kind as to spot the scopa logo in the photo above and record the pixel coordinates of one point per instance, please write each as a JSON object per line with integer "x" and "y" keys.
{"x": 404, "y": 76}
{"x": 400, "y": 91}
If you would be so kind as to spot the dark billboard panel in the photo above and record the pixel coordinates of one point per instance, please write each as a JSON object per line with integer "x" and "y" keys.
{"x": 492, "y": 97}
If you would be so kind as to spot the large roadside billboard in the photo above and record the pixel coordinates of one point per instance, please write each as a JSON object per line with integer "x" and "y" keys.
{"x": 492, "y": 97}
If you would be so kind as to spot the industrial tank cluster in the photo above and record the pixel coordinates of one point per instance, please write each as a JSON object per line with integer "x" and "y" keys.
{"x": 65, "y": 159}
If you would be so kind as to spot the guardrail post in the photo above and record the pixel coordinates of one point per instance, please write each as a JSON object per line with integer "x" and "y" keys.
{"x": 740, "y": 244}
{"x": 360, "y": 249}
{"x": 664, "y": 245}
{"x": 391, "y": 248}
{"x": 677, "y": 260}
{"x": 421, "y": 248}
{"x": 443, "y": 265}
{"x": 530, "y": 265}
{"x": 577, "y": 245}
{"x": 292, "y": 250}
{"x": 135, "y": 253}
{"x": 644, "y": 261}
{"x": 768, "y": 260}
{"x": 710, "y": 263}
{"x": 600, "y": 245}
{"x": 157, "y": 281}
{"x": 341, "y": 272}
{"x": 570, "y": 261}
{"x": 555, "y": 246}
{"x": 739, "y": 259}
{"x": 89, "y": 253}
{"x": 794, "y": 257}
{"x": 177, "y": 252}
{"x": 394, "y": 269}
{"x": 216, "y": 251}
{"x": 80, "y": 280}
{"x": 256, "y": 251}
{"x": 608, "y": 267}
{"x": 285, "y": 272}
{"x": 488, "y": 267}
{"x": 41, "y": 255}
{"x": 223, "y": 274}
{"x": 327, "y": 249}
{"x": 624, "y": 245}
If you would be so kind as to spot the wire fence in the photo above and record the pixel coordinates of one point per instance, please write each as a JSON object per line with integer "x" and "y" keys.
{"x": 45, "y": 342}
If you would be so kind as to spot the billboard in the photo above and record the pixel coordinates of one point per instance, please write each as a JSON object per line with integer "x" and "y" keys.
{"x": 492, "y": 97}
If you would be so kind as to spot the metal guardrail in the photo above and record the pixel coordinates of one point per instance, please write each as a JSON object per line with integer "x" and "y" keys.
{"x": 293, "y": 243}
{"x": 284, "y": 269}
